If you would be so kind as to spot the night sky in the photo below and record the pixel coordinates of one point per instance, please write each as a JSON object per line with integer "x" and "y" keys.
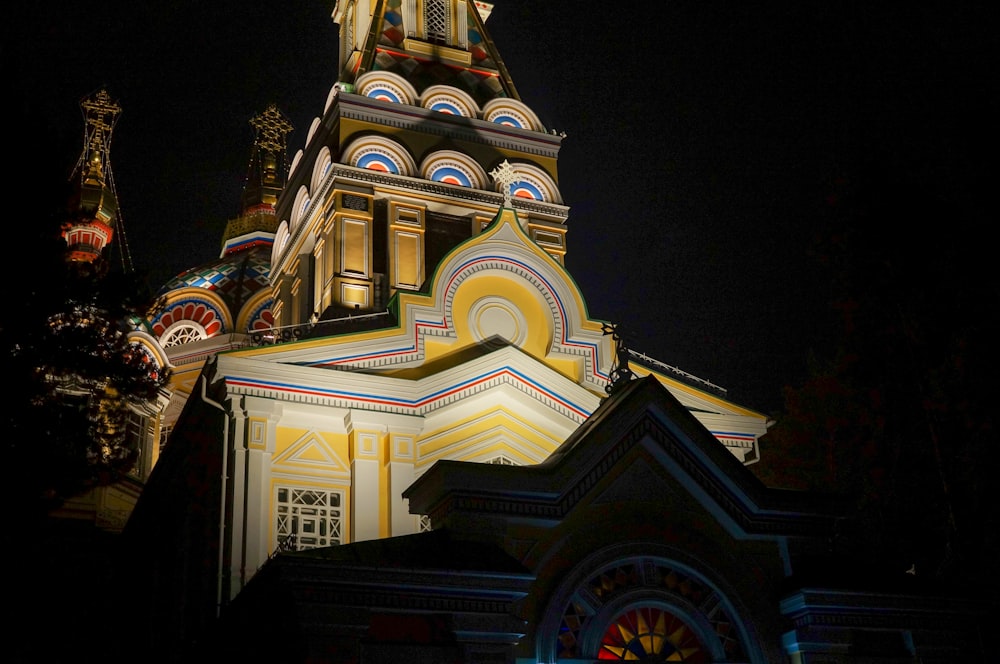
{"x": 705, "y": 142}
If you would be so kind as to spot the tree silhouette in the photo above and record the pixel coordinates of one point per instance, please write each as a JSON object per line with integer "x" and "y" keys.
{"x": 74, "y": 371}
{"x": 900, "y": 414}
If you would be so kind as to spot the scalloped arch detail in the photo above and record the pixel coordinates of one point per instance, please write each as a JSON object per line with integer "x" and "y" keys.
{"x": 533, "y": 183}
{"x": 295, "y": 161}
{"x": 299, "y": 207}
{"x": 451, "y": 167}
{"x": 150, "y": 345}
{"x": 313, "y": 126}
{"x": 449, "y": 100}
{"x": 321, "y": 167}
{"x": 379, "y": 154}
{"x": 548, "y": 297}
{"x": 281, "y": 238}
{"x": 512, "y": 113}
{"x": 198, "y": 311}
{"x": 386, "y": 86}
{"x": 257, "y": 314}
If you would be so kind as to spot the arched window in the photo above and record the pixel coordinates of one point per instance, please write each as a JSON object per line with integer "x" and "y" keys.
{"x": 183, "y": 334}
{"x": 187, "y": 320}
{"x": 650, "y": 633}
{"x": 645, "y": 609}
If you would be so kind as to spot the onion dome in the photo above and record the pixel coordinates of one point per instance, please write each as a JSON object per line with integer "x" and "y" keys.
{"x": 94, "y": 206}
{"x": 232, "y": 294}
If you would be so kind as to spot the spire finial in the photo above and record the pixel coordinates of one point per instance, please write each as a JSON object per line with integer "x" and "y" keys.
{"x": 268, "y": 167}
{"x": 505, "y": 176}
{"x": 272, "y": 128}
{"x": 100, "y": 113}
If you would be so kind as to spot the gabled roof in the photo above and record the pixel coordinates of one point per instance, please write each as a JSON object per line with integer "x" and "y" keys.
{"x": 446, "y": 383}
{"x": 643, "y": 420}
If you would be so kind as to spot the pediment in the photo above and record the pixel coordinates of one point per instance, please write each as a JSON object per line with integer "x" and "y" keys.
{"x": 451, "y": 391}
{"x": 311, "y": 454}
{"x": 636, "y": 484}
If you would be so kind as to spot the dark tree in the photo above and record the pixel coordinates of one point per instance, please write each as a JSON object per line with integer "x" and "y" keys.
{"x": 901, "y": 413}
{"x": 72, "y": 371}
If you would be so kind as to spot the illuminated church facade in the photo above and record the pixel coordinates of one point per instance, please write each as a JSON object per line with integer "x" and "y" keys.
{"x": 396, "y": 432}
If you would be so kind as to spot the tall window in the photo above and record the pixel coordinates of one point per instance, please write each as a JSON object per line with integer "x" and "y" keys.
{"x": 137, "y": 427}
{"x": 436, "y": 21}
{"x": 309, "y": 518}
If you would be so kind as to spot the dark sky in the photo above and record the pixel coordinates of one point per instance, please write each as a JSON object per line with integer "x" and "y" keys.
{"x": 705, "y": 141}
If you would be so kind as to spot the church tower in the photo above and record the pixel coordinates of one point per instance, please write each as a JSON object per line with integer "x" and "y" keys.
{"x": 215, "y": 306}
{"x": 396, "y": 172}
{"x": 94, "y": 207}
{"x": 434, "y": 453}
{"x": 422, "y": 315}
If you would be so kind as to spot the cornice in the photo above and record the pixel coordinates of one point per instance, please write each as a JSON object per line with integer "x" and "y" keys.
{"x": 415, "y": 118}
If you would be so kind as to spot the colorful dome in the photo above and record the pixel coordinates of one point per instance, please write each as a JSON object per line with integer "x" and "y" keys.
{"x": 229, "y": 295}
{"x": 236, "y": 277}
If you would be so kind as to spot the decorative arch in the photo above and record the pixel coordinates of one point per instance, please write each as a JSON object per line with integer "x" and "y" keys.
{"x": 257, "y": 314}
{"x": 150, "y": 346}
{"x": 386, "y": 86}
{"x": 312, "y": 129}
{"x": 281, "y": 238}
{"x": 348, "y": 26}
{"x": 623, "y": 604}
{"x": 190, "y": 316}
{"x": 331, "y": 96}
{"x": 503, "y": 250}
{"x": 498, "y": 313}
{"x": 379, "y": 154}
{"x": 324, "y": 161}
{"x": 299, "y": 207}
{"x": 532, "y": 183}
{"x": 451, "y": 167}
{"x": 295, "y": 161}
{"x": 449, "y": 100}
{"x": 512, "y": 113}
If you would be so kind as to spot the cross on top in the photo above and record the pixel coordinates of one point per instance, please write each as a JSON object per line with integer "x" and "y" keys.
{"x": 504, "y": 174}
{"x": 271, "y": 129}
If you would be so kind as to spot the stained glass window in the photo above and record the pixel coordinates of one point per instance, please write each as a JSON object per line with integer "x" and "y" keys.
{"x": 650, "y": 634}
{"x": 647, "y": 629}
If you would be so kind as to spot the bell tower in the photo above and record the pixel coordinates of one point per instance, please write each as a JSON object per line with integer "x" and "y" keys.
{"x": 396, "y": 173}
